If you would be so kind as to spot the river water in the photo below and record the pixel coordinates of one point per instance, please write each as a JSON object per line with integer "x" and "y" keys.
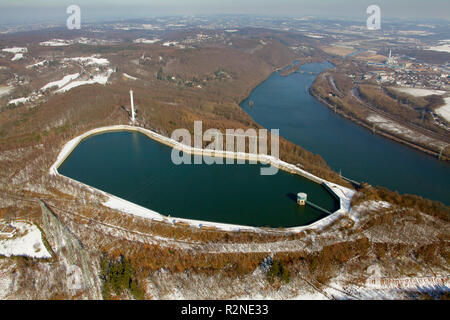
{"x": 285, "y": 103}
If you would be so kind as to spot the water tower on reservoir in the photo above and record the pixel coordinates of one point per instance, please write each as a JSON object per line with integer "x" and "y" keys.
{"x": 301, "y": 198}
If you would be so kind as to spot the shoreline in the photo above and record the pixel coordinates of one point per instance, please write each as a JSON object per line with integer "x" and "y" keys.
{"x": 343, "y": 194}
{"x": 251, "y": 89}
{"x": 380, "y": 131}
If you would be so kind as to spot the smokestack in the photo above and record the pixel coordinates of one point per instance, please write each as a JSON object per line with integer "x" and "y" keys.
{"x": 132, "y": 106}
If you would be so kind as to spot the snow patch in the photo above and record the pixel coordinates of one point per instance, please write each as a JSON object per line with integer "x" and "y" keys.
{"x": 37, "y": 64}
{"x": 442, "y": 48}
{"x": 61, "y": 83}
{"x": 17, "y": 56}
{"x": 444, "y": 111}
{"x": 15, "y": 50}
{"x": 5, "y": 283}
{"x": 26, "y": 241}
{"x": 414, "y": 283}
{"x": 131, "y": 208}
{"x": 146, "y": 41}
{"x": 419, "y": 92}
{"x": 4, "y": 90}
{"x": 18, "y": 100}
{"x": 367, "y": 206}
{"x": 129, "y": 77}
{"x": 55, "y": 43}
{"x": 396, "y": 128}
{"x": 89, "y": 60}
{"x": 100, "y": 79}
{"x": 173, "y": 44}
{"x": 316, "y": 36}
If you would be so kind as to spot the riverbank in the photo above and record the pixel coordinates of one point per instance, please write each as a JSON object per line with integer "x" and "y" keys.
{"x": 378, "y": 131}
{"x": 251, "y": 88}
{"x": 346, "y": 146}
{"x": 351, "y": 106}
{"x": 343, "y": 194}
{"x": 296, "y": 67}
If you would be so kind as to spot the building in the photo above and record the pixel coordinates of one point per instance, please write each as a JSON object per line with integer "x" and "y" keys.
{"x": 301, "y": 198}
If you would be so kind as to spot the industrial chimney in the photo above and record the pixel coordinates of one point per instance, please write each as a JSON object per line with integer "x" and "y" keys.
{"x": 132, "y": 106}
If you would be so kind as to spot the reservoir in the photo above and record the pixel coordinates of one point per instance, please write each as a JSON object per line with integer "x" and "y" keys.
{"x": 285, "y": 103}
{"x": 138, "y": 169}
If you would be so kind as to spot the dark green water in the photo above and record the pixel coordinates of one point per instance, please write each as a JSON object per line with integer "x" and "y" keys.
{"x": 284, "y": 103}
{"x": 140, "y": 170}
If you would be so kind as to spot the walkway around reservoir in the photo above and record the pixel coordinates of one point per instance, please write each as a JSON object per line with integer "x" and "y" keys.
{"x": 343, "y": 195}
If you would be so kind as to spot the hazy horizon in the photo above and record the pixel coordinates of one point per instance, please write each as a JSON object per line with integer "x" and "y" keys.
{"x": 28, "y": 11}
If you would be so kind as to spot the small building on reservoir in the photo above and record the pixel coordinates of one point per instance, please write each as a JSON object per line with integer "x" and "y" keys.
{"x": 301, "y": 198}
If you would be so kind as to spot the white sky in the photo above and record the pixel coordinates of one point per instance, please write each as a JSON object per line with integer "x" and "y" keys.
{"x": 32, "y": 10}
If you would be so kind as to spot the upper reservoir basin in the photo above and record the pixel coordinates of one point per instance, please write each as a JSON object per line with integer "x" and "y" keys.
{"x": 138, "y": 169}
{"x": 285, "y": 103}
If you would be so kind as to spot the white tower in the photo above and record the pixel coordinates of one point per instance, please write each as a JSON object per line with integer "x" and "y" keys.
{"x": 132, "y": 106}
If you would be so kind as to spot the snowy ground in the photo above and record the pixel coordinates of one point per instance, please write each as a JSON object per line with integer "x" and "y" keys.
{"x": 147, "y": 41}
{"x": 316, "y": 36}
{"x": 24, "y": 240}
{"x": 56, "y": 43}
{"x": 173, "y": 44}
{"x": 162, "y": 286}
{"x": 129, "y": 77}
{"x": 38, "y": 64}
{"x": 81, "y": 40}
{"x": 90, "y": 60}
{"x": 70, "y": 82}
{"x": 17, "y": 56}
{"x": 343, "y": 193}
{"x": 99, "y": 78}
{"x": 418, "y": 92}
{"x": 340, "y": 291}
{"x": 363, "y": 208}
{"x": 18, "y": 100}
{"x": 15, "y": 50}
{"x": 396, "y": 128}
{"x": 170, "y": 43}
{"x": 166, "y": 285}
{"x": 442, "y": 48}
{"x": 61, "y": 83}
{"x": 4, "y": 90}
{"x": 444, "y": 111}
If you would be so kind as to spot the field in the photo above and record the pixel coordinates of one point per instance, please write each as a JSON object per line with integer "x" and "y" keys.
{"x": 370, "y": 56}
{"x": 417, "y": 92}
{"x": 338, "y": 50}
{"x": 444, "y": 111}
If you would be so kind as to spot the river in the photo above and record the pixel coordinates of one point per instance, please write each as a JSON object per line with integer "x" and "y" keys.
{"x": 285, "y": 103}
